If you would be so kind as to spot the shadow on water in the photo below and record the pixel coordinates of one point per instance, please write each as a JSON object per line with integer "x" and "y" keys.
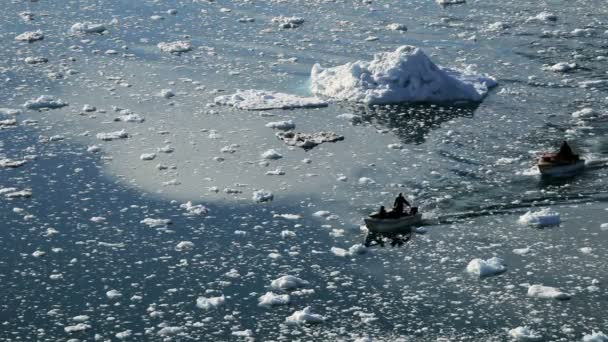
{"x": 413, "y": 122}
{"x": 397, "y": 239}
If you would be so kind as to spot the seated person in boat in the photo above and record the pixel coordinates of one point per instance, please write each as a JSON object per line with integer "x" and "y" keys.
{"x": 565, "y": 155}
{"x": 380, "y": 214}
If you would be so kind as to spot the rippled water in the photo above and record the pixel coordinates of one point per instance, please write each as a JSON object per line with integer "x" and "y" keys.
{"x": 468, "y": 167}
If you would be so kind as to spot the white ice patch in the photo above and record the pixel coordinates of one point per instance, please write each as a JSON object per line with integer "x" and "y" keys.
{"x": 155, "y": 223}
{"x": 288, "y": 282}
{"x": 486, "y": 268}
{"x": 30, "y": 36}
{"x": 396, "y": 27}
{"x": 271, "y": 155}
{"x": 147, "y": 156}
{"x": 184, "y": 246}
{"x": 76, "y": 328}
{"x": 540, "y": 291}
{"x": 305, "y": 316}
{"x": 44, "y": 101}
{"x": 405, "y": 75}
{"x": 543, "y": 217}
{"x": 524, "y": 334}
{"x": 356, "y": 249}
{"x": 560, "y": 67}
{"x": 113, "y": 294}
{"x": 288, "y": 22}
{"x": 210, "y": 303}
{"x": 272, "y": 299}
{"x": 265, "y": 100}
{"x": 194, "y": 209}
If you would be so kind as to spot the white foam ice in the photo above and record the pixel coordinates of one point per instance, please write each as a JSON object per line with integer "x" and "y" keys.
{"x": 265, "y": 100}
{"x": 262, "y": 195}
{"x": 404, "y": 75}
{"x": 210, "y": 303}
{"x": 541, "y": 291}
{"x": 305, "y": 316}
{"x": 288, "y": 282}
{"x": 524, "y": 334}
{"x": 485, "y": 268}
{"x": 543, "y": 217}
{"x": 273, "y": 299}
{"x": 44, "y": 101}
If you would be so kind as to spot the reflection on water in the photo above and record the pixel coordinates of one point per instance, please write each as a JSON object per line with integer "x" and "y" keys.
{"x": 413, "y": 122}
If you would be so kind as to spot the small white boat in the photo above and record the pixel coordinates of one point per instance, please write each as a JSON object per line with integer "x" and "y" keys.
{"x": 560, "y": 169}
{"x": 392, "y": 225}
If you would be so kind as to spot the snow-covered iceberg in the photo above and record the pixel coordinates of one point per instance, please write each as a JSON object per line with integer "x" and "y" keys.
{"x": 404, "y": 75}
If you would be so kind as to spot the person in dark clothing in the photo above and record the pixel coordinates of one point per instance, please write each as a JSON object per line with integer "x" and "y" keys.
{"x": 565, "y": 153}
{"x": 399, "y": 205}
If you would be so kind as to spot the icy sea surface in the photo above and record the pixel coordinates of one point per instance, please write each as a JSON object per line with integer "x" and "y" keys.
{"x": 139, "y": 209}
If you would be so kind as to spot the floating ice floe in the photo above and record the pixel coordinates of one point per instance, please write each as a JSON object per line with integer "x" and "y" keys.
{"x": 170, "y": 331}
{"x": 9, "y": 163}
{"x": 271, "y": 155}
{"x": 266, "y": 100}
{"x": 282, "y": 125}
{"x": 486, "y": 268}
{"x": 184, "y": 246}
{"x": 147, "y": 156}
{"x": 210, "y": 303}
{"x": 584, "y": 113}
{"x": 356, "y": 249}
{"x": 524, "y": 334}
{"x": 366, "y": 181}
{"x": 560, "y": 67}
{"x": 76, "y": 328}
{"x": 179, "y": 46}
{"x": 288, "y": 22}
{"x": 288, "y": 282}
{"x": 595, "y": 336}
{"x": 35, "y": 60}
{"x": 543, "y": 217}
{"x": 122, "y": 134}
{"x": 30, "y": 36}
{"x": 194, "y": 209}
{"x": 113, "y": 294}
{"x": 10, "y": 111}
{"x": 44, "y": 101}
{"x": 130, "y": 117}
{"x": 166, "y": 93}
{"x": 262, "y": 195}
{"x": 26, "y": 193}
{"x": 308, "y": 141}
{"x": 87, "y": 28}
{"x": 540, "y": 291}
{"x": 155, "y": 223}
{"x": 396, "y": 27}
{"x": 405, "y": 75}
{"x": 305, "y": 316}
{"x": 543, "y": 17}
{"x": 272, "y": 299}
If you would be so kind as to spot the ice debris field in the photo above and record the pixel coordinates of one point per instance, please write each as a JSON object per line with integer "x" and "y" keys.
{"x": 200, "y": 170}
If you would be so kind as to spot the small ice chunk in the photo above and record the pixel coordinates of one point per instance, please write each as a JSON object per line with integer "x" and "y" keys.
{"x": 486, "y": 268}
{"x": 287, "y": 283}
{"x": 272, "y": 299}
{"x": 38, "y": 254}
{"x": 305, "y": 316}
{"x": 76, "y": 328}
{"x": 147, "y": 156}
{"x": 308, "y": 141}
{"x": 12, "y": 164}
{"x": 210, "y": 303}
{"x": 184, "y": 246}
{"x": 109, "y": 136}
{"x": 194, "y": 209}
{"x": 543, "y": 217}
{"x": 366, "y": 181}
{"x": 94, "y": 148}
{"x": 87, "y": 28}
{"x": 322, "y": 213}
{"x": 543, "y": 17}
{"x": 584, "y": 112}
{"x": 35, "y": 60}
{"x": 540, "y": 291}
{"x": 595, "y": 336}
{"x": 262, "y": 195}
{"x": 561, "y": 67}
{"x": 9, "y": 111}
{"x": 282, "y": 125}
{"x": 524, "y": 334}
{"x": 155, "y": 223}
{"x": 288, "y": 22}
{"x": 30, "y": 36}
{"x": 44, "y": 101}
{"x": 88, "y": 108}
{"x": 113, "y": 294}
{"x": 271, "y": 155}
{"x": 166, "y": 93}
{"x": 396, "y": 27}
{"x": 266, "y": 100}
{"x": 353, "y": 118}
{"x": 170, "y": 331}
{"x": 175, "y": 47}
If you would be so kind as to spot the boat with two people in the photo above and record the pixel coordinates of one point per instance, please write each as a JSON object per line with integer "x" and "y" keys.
{"x": 563, "y": 163}
{"x": 399, "y": 219}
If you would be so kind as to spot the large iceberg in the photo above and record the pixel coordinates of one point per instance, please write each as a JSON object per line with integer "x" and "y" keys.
{"x": 405, "y": 75}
